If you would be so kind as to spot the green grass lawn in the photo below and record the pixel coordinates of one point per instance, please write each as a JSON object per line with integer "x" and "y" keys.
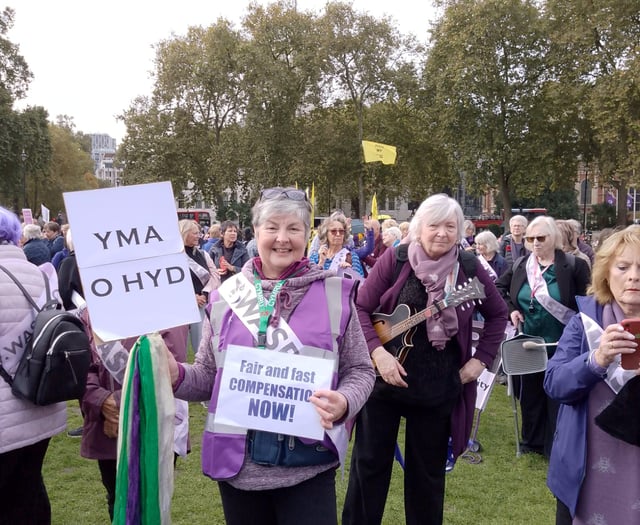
{"x": 501, "y": 489}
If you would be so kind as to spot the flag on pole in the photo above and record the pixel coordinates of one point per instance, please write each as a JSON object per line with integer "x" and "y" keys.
{"x": 312, "y": 201}
{"x": 374, "y": 207}
{"x": 376, "y": 152}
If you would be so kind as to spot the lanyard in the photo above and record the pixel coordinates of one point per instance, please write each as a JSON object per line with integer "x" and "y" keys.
{"x": 266, "y": 308}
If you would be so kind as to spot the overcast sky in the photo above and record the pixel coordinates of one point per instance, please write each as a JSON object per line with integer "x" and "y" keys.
{"x": 91, "y": 59}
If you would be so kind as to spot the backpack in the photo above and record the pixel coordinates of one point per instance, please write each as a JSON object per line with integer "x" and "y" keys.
{"x": 56, "y": 358}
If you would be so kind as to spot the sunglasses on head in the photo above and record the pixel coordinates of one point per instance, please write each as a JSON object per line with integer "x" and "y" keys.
{"x": 539, "y": 238}
{"x": 336, "y": 232}
{"x": 284, "y": 193}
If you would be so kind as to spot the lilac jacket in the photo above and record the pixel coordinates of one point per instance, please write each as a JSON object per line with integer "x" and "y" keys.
{"x": 355, "y": 378}
{"x": 22, "y": 423}
{"x": 380, "y": 290}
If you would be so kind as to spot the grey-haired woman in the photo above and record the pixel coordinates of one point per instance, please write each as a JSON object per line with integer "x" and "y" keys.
{"x": 279, "y": 306}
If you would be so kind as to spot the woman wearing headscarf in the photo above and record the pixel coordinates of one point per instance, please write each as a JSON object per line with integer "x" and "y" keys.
{"x": 540, "y": 290}
{"x": 279, "y": 305}
{"x": 594, "y": 470}
{"x": 25, "y": 428}
{"x": 434, "y": 387}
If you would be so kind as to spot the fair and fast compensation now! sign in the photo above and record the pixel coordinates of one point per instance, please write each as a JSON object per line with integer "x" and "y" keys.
{"x": 131, "y": 259}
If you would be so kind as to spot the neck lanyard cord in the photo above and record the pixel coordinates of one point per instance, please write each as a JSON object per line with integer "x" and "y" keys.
{"x": 266, "y": 308}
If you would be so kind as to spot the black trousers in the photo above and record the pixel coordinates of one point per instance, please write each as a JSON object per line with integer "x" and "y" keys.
{"x": 312, "y": 502}
{"x": 23, "y": 496}
{"x": 426, "y": 439}
{"x": 108, "y": 469}
{"x": 539, "y": 414}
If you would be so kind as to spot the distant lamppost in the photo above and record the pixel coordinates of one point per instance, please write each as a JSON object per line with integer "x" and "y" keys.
{"x": 23, "y": 157}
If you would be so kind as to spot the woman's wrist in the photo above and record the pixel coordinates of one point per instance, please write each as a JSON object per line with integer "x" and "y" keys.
{"x": 595, "y": 366}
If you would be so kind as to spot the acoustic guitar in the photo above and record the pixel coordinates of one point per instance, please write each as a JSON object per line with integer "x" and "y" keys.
{"x": 396, "y": 331}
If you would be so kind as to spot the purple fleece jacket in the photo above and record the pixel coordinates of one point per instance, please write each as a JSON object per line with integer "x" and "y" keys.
{"x": 355, "y": 378}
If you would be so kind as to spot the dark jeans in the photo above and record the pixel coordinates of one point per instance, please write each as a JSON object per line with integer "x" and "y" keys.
{"x": 426, "y": 439}
{"x": 539, "y": 414}
{"x": 563, "y": 515}
{"x": 312, "y": 502}
{"x": 108, "y": 468}
{"x": 23, "y": 496}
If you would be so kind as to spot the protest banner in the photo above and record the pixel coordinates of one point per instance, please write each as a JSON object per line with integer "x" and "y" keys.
{"x": 267, "y": 390}
{"x": 27, "y": 216}
{"x": 45, "y": 212}
{"x": 131, "y": 259}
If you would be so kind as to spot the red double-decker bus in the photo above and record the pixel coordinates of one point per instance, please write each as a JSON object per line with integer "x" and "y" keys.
{"x": 201, "y": 216}
{"x": 484, "y": 221}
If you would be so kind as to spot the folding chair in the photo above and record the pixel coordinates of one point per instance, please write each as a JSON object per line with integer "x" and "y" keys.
{"x": 517, "y": 360}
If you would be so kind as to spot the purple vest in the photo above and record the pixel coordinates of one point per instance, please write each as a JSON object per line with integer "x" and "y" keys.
{"x": 223, "y": 449}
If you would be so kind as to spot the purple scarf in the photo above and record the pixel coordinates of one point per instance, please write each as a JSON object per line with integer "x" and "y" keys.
{"x": 433, "y": 273}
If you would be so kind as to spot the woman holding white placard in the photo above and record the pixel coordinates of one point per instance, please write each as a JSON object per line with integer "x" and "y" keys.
{"x": 279, "y": 302}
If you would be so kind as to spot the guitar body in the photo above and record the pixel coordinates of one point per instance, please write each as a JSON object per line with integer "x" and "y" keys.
{"x": 399, "y": 345}
{"x": 396, "y": 331}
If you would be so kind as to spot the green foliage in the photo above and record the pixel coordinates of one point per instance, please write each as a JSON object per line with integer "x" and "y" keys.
{"x": 500, "y": 490}
{"x": 601, "y": 216}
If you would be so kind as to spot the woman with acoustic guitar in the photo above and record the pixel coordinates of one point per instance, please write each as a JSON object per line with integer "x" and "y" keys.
{"x": 426, "y": 373}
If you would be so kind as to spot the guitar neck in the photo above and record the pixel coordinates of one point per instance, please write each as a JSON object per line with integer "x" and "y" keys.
{"x": 417, "y": 318}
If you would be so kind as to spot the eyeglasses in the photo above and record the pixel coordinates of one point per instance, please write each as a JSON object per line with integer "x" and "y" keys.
{"x": 285, "y": 193}
{"x": 539, "y": 238}
{"x": 336, "y": 232}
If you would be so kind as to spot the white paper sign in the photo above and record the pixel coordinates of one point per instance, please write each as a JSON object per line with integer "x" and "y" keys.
{"x": 266, "y": 390}
{"x": 134, "y": 272}
{"x": 46, "y": 214}
{"x": 485, "y": 383}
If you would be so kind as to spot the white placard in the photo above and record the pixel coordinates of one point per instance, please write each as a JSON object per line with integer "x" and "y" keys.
{"x": 266, "y": 390}
{"x": 46, "y": 214}
{"x": 485, "y": 383}
{"x": 131, "y": 259}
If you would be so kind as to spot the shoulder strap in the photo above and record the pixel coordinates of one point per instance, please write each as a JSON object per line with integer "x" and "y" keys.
{"x": 469, "y": 262}
{"x": 24, "y": 292}
{"x": 402, "y": 255}
{"x": 333, "y": 291}
{"x": 517, "y": 262}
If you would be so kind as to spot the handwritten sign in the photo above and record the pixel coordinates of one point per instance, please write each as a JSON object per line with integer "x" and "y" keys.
{"x": 266, "y": 390}
{"x": 131, "y": 259}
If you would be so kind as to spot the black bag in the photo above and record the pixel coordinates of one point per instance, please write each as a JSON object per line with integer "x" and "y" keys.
{"x": 56, "y": 359}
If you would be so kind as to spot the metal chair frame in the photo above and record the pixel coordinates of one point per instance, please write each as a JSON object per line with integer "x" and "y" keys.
{"x": 517, "y": 360}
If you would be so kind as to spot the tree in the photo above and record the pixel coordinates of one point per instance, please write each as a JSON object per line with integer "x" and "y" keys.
{"x": 14, "y": 71}
{"x": 365, "y": 57}
{"x": 485, "y": 77}
{"x": 595, "y": 58}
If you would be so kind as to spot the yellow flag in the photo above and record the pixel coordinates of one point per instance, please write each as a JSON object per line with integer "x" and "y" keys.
{"x": 374, "y": 207}
{"x": 376, "y": 152}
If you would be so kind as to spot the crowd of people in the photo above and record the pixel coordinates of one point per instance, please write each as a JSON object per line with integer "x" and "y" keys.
{"x": 342, "y": 297}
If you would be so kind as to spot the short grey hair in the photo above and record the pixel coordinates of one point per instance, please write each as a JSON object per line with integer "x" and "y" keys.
{"x": 32, "y": 231}
{"x": 519, "y": 218}
{"x": 488, "y": 239}
{"x": 264, "y": 209}
{"x": 433, "y": 210}
{"x": 548, "y": 224}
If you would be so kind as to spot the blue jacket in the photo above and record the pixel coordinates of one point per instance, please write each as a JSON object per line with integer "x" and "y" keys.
{"x": 569, "y": 380}
{"x": 37, "y": 251}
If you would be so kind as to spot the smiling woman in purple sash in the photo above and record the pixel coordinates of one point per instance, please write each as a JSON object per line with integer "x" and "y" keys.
{"x": 288, "y": 305}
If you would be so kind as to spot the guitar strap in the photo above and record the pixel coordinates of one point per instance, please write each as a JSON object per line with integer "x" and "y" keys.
{"x": 467, "y": 260}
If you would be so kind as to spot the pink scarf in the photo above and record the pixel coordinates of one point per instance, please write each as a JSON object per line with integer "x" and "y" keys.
{"x": 433, "y": 273}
